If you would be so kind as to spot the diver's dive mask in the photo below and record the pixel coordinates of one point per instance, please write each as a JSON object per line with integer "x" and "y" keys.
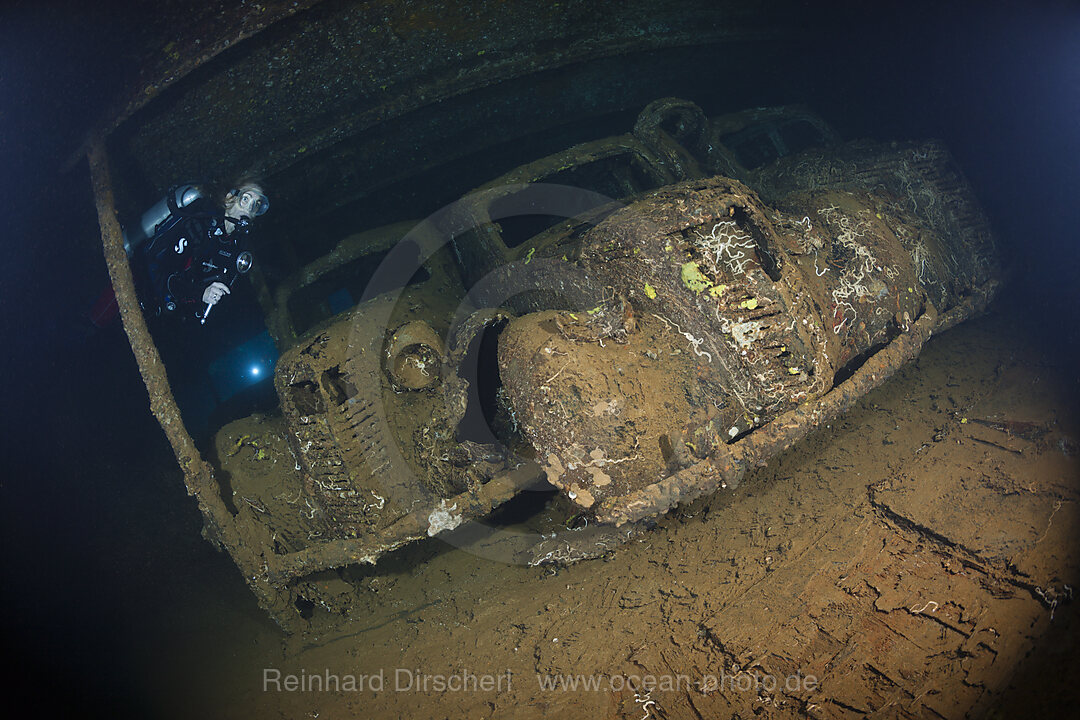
{"x": 251, "y": 202}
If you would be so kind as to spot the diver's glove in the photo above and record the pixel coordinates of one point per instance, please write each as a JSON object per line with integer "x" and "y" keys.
{"x": 214, "y": 292}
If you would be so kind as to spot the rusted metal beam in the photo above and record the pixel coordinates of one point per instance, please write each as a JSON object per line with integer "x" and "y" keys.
{"x": 414, "y": 526}
{"x": 220, "y": 527}
{"x": 197, "y": 472}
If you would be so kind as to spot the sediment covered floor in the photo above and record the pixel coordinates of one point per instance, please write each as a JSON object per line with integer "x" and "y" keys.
{"x": 916, "y": 559}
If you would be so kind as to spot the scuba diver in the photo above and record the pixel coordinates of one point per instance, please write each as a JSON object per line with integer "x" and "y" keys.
{"x": 194, "y": 255}
{"x": 189, "y": 251}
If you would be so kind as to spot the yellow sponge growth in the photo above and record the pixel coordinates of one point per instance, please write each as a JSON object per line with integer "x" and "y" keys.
{"x": 693, "y": 278}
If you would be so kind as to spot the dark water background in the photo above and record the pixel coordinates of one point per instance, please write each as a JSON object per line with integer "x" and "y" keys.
{"x": 98, "y": 535}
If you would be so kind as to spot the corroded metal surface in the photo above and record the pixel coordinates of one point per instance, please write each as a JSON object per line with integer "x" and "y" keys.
{"x": 671, "y": 141}
{"x": 764, "y": 311}
{"x": 369, "y": 450}
{"x": 323, "y": 98}
{"x": 727, "y": 465}
{"x": 180, "y": 37}
{"x": 924, "y": 181}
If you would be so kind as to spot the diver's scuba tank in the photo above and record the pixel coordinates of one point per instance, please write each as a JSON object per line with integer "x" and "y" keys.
{"x": 160, "y": 214}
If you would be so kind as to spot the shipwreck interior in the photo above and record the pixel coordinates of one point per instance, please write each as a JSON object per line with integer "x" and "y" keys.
{"x": 698, "y": 351}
